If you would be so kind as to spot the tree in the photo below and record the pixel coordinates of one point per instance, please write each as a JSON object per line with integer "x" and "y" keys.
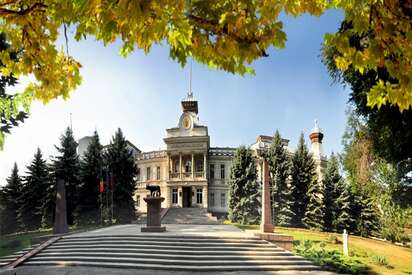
{"x": 342, "y": 218}
{"x": 244, "y": 189}
{"x": 66, "y": 166}
{"x": 122, "y": 167}
{"x": 91, "y": 166}
{"x": 315, "y": 212}
{"x": 389, "y": 129}
{"x": 7, "y": 119}
{"x": 34, "y": 192}
{"x": 302, "y": 173}
{"x": 9, "y": 198}
{"x": 368, "y": 219}
{"x": 331, "y": 185}
{"x": 227, "y": 35}
{"x": 279, "y": 169}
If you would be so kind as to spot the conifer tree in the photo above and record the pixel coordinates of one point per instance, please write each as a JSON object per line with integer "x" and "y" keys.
{"x": 121, "y": 165}
{"x": 244, "y": 189}
{"x": 48, "y": 207}
{"x": 91, "y": 166}
{"x": 66, "y": 166}
{"x": 9, "y": 198}
{"x": 342, "y": 218}
{"x": 302, "y": 173}
{"x": 333, "y": 188}
{"x": 34, "y": 192}
{"x": 368, "y": 219}
{"x": 279, "y": 167}
{"x": 315, "y": 210}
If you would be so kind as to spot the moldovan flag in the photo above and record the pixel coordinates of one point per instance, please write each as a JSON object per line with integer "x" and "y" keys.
{"x": 101, "y": 186}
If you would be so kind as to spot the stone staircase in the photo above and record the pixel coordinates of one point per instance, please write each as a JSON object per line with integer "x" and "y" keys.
{"x": 5, "y": 260}
{"x": 189, "y": 216}
{"x": 170, "y": 252}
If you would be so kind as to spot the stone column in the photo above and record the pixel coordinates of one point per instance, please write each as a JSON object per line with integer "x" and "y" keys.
{"x": 168, "y": 167}
{"x": 205, "y": 198}
{"x": 60, "y": 221}
{"x": 204, "y": 165}
{"x": 180, "y": 196}
{"x": 193, "y": 166}
{"x": 180, "y": 165}
{"x": 266, "y": 225}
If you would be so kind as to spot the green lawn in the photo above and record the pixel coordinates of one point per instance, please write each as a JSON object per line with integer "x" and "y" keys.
{"x": 15, "y": 242}
{"x": 398, "y": 258}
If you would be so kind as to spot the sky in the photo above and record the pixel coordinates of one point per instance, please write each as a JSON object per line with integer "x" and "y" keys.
{"x": 141, "y": 94}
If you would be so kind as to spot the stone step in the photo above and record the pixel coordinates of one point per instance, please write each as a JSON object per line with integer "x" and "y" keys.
{"x": 160, "y": 243}
{"x": 175, "y": 247}
{"x": 183, "y": 256}
{"x": 168, "y": 261}
{"x": 275, "y": 251}
{"x": 217, "y": 268}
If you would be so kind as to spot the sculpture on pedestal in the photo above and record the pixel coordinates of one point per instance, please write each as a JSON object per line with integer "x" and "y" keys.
{"x": 60, "y": 220}
{"x": 154, "y": 202}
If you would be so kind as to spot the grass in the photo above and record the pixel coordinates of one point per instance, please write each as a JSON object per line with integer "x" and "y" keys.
{"x": 12, "y": 243}
{"x": 380, "y": 257}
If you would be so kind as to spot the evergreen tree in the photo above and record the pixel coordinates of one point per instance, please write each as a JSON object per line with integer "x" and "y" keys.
{"x": 91, "y": 166}
{"x": 368, "y": 219}
{"x": 10, "y": 204}
{"x": 121, "y": 165}
{"x": 315, "y": 211}
{"x": 332, "y": 182}
{"x": 279, "y": 167}
{"x": 48, "y": 207}
{"x": 342, "y": 218}
{"x": 34, "y": 193}
{"x": 302, "y": 172}
{"x": 244, "y": 189}
{"x": 66, "y": 166}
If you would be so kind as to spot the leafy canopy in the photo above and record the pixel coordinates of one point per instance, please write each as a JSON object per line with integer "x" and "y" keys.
{"x": 227, "y": 35}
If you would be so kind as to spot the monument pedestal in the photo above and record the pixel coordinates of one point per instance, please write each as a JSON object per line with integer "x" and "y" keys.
{"x": 283, "y": 241}
{"x": 153, "y": 215}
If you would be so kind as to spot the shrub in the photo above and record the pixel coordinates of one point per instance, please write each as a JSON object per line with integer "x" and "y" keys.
{"x": 331, "y": 259}
{"x": 380, "y": 260}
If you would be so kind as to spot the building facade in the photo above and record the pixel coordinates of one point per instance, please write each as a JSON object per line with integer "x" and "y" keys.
{"x": 191, "y": 173}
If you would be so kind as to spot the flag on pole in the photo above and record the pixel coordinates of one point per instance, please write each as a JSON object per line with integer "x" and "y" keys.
{"x": 101, "y": 186}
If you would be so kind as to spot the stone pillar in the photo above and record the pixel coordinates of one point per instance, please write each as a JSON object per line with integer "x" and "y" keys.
{"x": 266, "y": 225}
{"x": 180, "y": 196}
{"x": 60, "y": 220}
{"x": 205, "y": 198}
{"x": 153, "y": 215}
{"x": 193, "y": 166}
{"x": 180, "y": 165}
{"x": 204, "y": 165}
{"x": 168, "y": 167}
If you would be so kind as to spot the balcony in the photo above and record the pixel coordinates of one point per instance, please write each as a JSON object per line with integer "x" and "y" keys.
{"x": 187, "y": 175}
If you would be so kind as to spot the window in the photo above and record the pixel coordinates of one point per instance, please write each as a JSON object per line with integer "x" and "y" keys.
{"x": 223, "y": 200}
{"x": 222, "y": 171}
{"x": 174, "y": 196}
{"x": 199, "y": 196}
{"x": 148, "y": 173}
{"x": 138, "y": 201}
{"x": 212, "y": 199}
{"x": 199, "y": 166}
{"x": 212, "y": 171}
{"x": 176, "y": 166}
{"x": 138, "y": 174}
{"x": 158, "y": 172}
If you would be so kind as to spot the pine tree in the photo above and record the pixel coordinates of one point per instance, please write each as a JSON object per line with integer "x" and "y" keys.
{"x": 367, "y": 221}
{"x": 315, "y": 210}
{"x": 48, "y": 207}
{"x": 333, "y": 188}
{"x": 342, "y": 218}
{"x": 279, "y": 167}
{"x": 34, "y": 192}
{"x": 302, "y": 173}
{"x": 244, "y": 189}
{"x": 66, "y": 166}
{"x": 121, "y": 165}
{"x": 91, "y": 166}
{"x": 10, "y": 204}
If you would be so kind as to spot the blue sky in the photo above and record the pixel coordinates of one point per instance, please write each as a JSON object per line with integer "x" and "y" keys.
{"x": 141, "y": 94}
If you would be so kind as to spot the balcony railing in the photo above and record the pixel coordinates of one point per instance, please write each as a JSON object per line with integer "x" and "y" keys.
{"x": 199, "y": 174}
{"x": 187, "y": 175}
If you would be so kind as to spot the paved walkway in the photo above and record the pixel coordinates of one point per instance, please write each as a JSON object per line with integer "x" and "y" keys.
{"x": 220, "y": 230}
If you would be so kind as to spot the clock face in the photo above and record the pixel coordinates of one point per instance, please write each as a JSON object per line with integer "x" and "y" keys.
{"x": 186, "y": 122}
